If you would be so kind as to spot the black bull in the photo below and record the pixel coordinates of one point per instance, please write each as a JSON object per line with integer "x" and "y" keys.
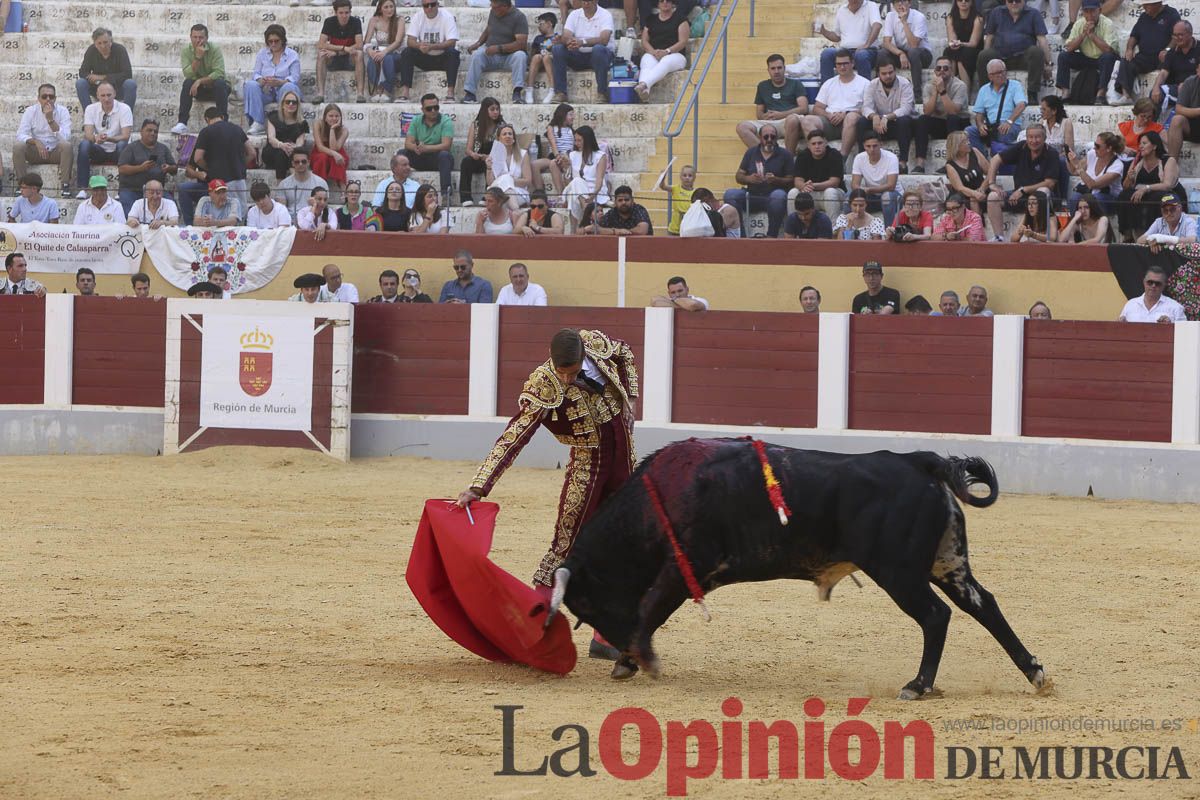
{"x": 893, "y": 516}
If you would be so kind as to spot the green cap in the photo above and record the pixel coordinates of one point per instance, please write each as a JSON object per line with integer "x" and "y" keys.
{"x": 98, "y": 182}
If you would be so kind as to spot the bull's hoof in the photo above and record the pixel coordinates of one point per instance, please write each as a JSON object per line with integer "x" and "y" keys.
{"x": 1042, "y": 682}
{"x": 624, "y": 669}
{"x": 915, "y": 692}
{"x": 603, "y": 651}
{"x": 650, "y": 666}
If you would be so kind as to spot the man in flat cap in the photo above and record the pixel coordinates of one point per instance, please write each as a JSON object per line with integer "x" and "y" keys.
{"x": 312, "y": 289}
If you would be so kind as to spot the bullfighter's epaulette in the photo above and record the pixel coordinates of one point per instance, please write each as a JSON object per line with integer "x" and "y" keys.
{"x": 543, "y": 389}
{"x": 597, "y": 344}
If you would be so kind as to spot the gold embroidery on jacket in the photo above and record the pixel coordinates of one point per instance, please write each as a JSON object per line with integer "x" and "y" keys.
{"x": 582, "y": 470}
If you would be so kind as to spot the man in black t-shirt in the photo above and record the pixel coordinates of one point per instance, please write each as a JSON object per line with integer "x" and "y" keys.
{"x": 877, "y": 299}
{"x": 1178, "y": 64}
{"x": 820, "y": 171}
{"x": 780, "y": 101}
{"x": 1035, "y": 169}
{"x": 341, "y": 48}
{"x": 222, "y": 151}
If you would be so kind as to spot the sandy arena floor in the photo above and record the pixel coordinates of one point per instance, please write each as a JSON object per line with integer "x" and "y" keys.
{"x": 235, "y": 623}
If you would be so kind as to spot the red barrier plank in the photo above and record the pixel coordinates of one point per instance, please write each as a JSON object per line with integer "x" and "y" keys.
{"x": 23, "y": 349}
{"x": 119, "y": 351}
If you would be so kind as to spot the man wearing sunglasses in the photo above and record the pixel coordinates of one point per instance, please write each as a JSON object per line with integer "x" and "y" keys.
{"x": 1152, "y": 306}
{"x": 1017, "y": 36}
{"x": 944, "y": 110}
{"x": 766, "y": 171}
{"x": 427, "y": 145}
{"x": 44, "y": 137}
{"x": 432, "y": 44}
{"x": 107, "y": 125}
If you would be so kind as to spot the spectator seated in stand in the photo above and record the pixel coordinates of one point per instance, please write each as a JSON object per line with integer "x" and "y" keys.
{"x": 1185, "y": 124}
{"x": 152, "y": 209}
{"x": 959, "y": 223}
{"x": 964, "y": 37}
{"x": 107, "y": 126}
{"x": 384, "y": 38}
{"x": 105, "y": 61}
{"x": 340, "y": 48}
{"x": 810, "y": 300}
{"x": 806, "y": 222}
{"x": 1035, "y": 170}
{"x": 948, "y": 304}
{"x": 766, "y": 172}
{"x": 389, "y": 288}
{"x": 998, "y": 109}
{"x": 264, "y": 212}
{"x": 141, "y": 161}
{"x": 1144, "y": 48}
{"x": 1016, "y": 35}
{"x": 779, "y": 102}
{"x": 976, "y": 306}
{"x": 217, "y": 209}
{"x": 32, "y": 205}
{"x": 203, "y": 66}
{"x": 625, "y": 218}
{"x": 432, "y": 44}
{"x": 590, "y": 166}
{"x": 560, "y": 141}
{"x": 1101, "y": 176}
{"x": 1039, "y": 310}
{"x": 508, "y": 168}
{"x": 317, "y": 216}
{"x": 819, "y": 172}
{"x": 352, "y": 216}
{"x": 393, "y": 214}
{"x": 495, "y": 218}
{"x": 430, "y": 137}
{"x": 480, "y": 137}
{"x": 501, "y": 46}
{"x": 1039, "y": 224}
{"x": 943, "y": 112}
{"x": 839, "y": 104}
{"x": 1173, "y": 227}
{"x": 912, "y": 223}
{"x": 401, "y": 174}
{"x": 1179, "y": 63}
{"x": 539, "y": 218}
{"x": 466, "y": 287}
{"x": 100, "y": 209}
{"x": 427, "y": 214}
{"x": 906, "y": 42}
{"x": 966, "y": 170}
{"x": 858, "y": 224}
{"x": 876, "y": 171}
{"x": 726, "y": 220}
{"x": 410, "y": 288}
{"x": 887, "y": 111}
{"x": 276, "y": 72}
{"x": 1088, "y": 225}
{"x": 665, "y": 39}
{"x": 297, "y": 187}
{"x": 44, "y": 137}
{"x": 287, "y": 132}
{"x": 541, "y": 59}
{"x": 328, "y": 157}
{"x": 583, "y": 44}
{"x": 918, "y": 306}
{"x": 1091, "y": 47}
{"x": 856, "y": 28}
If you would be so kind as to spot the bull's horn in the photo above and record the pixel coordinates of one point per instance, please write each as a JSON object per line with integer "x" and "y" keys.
{"x": 561, "y": 576}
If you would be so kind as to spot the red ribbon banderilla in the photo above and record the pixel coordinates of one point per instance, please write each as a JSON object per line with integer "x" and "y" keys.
{"x": 685, "y": 568}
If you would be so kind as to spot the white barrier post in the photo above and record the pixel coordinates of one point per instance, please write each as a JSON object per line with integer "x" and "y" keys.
{"x": 484, "y": 368}
{"x": 833, "y": 372}
{"x": 1008, "y": 362}
{"x": 60, "y": 350}
{"x": 1185, "y": 385}
{"x": 658, "y": 364}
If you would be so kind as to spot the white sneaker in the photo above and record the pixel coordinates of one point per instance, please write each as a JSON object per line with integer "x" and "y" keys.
{"x": 318, "y": 2}
{"x": 82, "y": 195}
{"x": 257, "y": 129}
{"x": 549, "y": 96}
{"x": 467, "y": 203}
{"x": 631, "y": 33}
{"x": 528, "y": 96}
{"x": 180, "y": 128}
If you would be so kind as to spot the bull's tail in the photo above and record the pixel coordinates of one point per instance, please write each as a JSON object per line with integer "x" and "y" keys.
{"x": 961, "y": 473}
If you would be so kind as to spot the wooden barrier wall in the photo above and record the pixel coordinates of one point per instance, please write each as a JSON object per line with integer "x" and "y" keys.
{"x": 525, "y": 335}
{"x": 930, "y": 374}
{"x": 120, "y": 352}
{"x": 411, "y": 359}
{"x": 745, "y": 368}
{"x": 1098, "y": 380}
{"x": 23, "y": 349}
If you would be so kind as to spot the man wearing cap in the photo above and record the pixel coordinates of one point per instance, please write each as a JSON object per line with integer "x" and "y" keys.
{"x": 1173, "y": 227}
{"x": 1152, "y": 305}
{"x": 312, "y": 289}
{"x": 877, "y": 299}
{"x": 100, "y": 209}
{"x": 584, "y": 395}
{"x": 338, "y": 289}
{"x": 204, "y": 290}
{"x": 218, "y": 209}
{"x": 1091, "y": 45}
{"x": 15, "y": 281}
{"x": 1150, "y": 36}
{"x": 467, "y": 287}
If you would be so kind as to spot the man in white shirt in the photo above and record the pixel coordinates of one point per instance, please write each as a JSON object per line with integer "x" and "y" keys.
{"x": 265, "y": 212}
{"x": 906, "y": 42}
{"x": 432, "y": 44}
{"x": 680, "y": 297}
{"x": 583, "y": 44}
{"x": 856, "y": 28}
{"x": 44, "y": 137}
{"x": 152, "y": 209}
{"x": 839, "y": 104}
{"x": 14, "y": 281}
{"x": 297, "y": 187}
{"x": 312, "y": 289}
{"x": 520, "y": 292}
{"x": 1173, "y": 227}
{"x": 100, "y": 209}
{"x": 337, "y": 288}
{"x": 401, "y": 174}
{"x": 107, "y": 125}
{"x": 1152, "y": 306}
{"x": 876, "y": 171}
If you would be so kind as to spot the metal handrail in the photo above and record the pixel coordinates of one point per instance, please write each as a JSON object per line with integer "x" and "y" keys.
{"x": 691, "y": 88}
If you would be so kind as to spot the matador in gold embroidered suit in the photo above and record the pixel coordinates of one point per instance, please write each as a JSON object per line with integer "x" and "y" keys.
{"x": 583, "y": 394}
